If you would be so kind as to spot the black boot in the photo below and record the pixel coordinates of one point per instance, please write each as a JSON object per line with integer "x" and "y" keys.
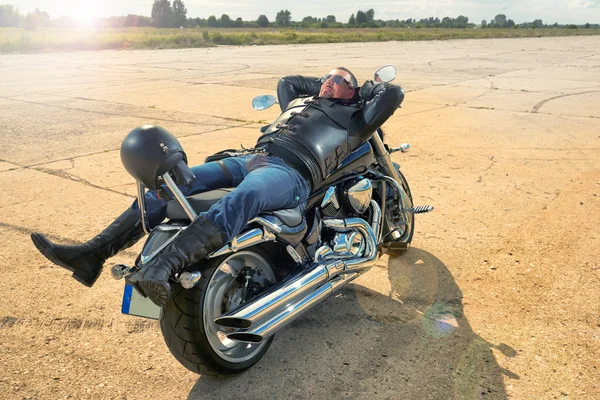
{"x": 193, "y": 244}
{"x": 86, "y": 260}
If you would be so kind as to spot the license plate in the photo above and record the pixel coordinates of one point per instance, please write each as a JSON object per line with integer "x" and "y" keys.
{"x": 137, "y": 305}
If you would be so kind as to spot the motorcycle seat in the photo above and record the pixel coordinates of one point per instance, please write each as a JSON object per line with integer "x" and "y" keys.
{"x": 201, "y": 202}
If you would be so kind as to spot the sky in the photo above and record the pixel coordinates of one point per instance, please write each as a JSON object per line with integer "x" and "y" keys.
{"x": 550, "y": 11}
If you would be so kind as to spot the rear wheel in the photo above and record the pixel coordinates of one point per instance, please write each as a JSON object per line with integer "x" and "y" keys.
{"x": 399, "y": 217}
{"x": 187, "y": 321}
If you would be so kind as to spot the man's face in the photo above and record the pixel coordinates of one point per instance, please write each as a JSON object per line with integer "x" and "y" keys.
{"x": 341, "y": 90}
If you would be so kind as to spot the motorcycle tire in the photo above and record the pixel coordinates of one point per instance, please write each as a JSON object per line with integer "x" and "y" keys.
{"x": 397, "y": 247}
{"x": 187, "y": 324}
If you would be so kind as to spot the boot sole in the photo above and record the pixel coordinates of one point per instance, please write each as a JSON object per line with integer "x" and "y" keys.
{"x": 157, "y": 290}
{"x": 43, "y": 248}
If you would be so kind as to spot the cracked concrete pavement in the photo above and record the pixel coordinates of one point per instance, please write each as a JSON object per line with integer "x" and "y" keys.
{"x": 498, "y": 296}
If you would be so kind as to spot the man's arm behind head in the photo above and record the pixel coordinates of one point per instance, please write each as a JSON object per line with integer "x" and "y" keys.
{"x": 380, "y": 102}
{"x": 291, "y": 87}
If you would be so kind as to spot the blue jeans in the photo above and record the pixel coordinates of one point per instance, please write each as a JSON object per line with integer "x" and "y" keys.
{"x": 262, "y": 183}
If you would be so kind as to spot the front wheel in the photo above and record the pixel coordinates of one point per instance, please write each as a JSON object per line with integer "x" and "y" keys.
{"x": 399, "y": 216}
{"x": 187, "y": 321}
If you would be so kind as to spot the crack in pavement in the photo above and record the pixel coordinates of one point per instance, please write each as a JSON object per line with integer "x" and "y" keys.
{"x": 63, "y": 174}
{"x": 499, "y": 73}
{"x": 103, "y": 86}
{"x": 72, "y": 158}
{"x": 244, "y": 67}
{"x": 193, "y": 113}
{"x": 483, "y": 56}
{"x": 458, "y": 105}
{"x": 494, "y": 162}
{"x": 113, "y": 114}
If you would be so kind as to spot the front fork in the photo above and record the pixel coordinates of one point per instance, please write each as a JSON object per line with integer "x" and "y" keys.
{"x": 382, "y": 156}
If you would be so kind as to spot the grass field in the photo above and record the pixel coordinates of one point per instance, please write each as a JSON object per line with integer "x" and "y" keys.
{"x": 16, "y": 40}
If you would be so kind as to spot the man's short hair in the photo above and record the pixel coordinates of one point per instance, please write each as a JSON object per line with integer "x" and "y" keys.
{"x": 353, "y": 80}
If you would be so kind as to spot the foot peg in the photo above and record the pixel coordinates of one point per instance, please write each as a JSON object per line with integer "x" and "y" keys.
{"x": 118, "y": 271}
{"x": 404, "y": 147}
{"x": 421, "y": 209}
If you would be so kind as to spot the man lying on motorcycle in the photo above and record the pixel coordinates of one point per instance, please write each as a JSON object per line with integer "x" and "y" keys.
{"x": 295, "y": 154}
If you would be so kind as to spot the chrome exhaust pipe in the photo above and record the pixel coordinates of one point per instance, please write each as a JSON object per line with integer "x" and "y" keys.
{"x": 277, "y": 298}
{"x": 291, "y": 312}
{"x": 370, "y": 234}
{"x": 280, "y": 297}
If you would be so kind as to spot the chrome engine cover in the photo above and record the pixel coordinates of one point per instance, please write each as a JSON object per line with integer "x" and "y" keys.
{"x": 344, "y": 246}
{"x": 348, "y": 245}
{"x": 359, "y": 195}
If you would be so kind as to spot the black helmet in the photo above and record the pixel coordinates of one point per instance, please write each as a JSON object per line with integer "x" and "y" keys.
{"x": 147, "y": 152}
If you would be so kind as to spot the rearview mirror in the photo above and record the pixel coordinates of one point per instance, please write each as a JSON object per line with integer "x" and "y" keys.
{"x": 263, "y": 102}
{"x": 385, "y": 74}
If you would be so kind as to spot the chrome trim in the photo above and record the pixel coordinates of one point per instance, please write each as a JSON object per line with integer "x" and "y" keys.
{"x": 348, "y": 245}
{"x": 145, "y": 259}
{"x": 190, "y": 279}
{"x": 404, "y": 147}
{"x": 142, "y": 206}
{"x": 294, "y": 254}
{"x": 242, "y": 241}
{"x": 323, "y": 253}
{"x": 274, "y": 228}
{"x": 291, "y": 312}
{"x": 376, "y": 222}
{"x": 268, "y": 236}
{"x": 357, "y": 244}
{"x": 169, "y": 227}
{"x": 397, "y": 187}
{"x": 335, "y": 268}
{"x": 247, "y": 239}
{"x": 192, "y": 215}
{"x": 280, "y": 297}
{"x": 118, "y": 271}
{"x": 359, "y": 195}
{"x": 338, "y": 224}
{"x": 331, "y": 197}
{"x": 222, "y": 251}
{"x": 367, "y": 261}
{"x": 275, "y": 299}
{"x": 383, "y": 157}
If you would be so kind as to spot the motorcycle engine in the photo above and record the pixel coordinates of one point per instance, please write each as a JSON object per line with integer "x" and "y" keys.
{"x": 356, "y": 198}
{"x": 348, "y": 245}
{"x": 350, "y": 199}
{"x": 342, "y": 245}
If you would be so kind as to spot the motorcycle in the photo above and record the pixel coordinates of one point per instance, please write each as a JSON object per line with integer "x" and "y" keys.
{"x": 224, "y": 312}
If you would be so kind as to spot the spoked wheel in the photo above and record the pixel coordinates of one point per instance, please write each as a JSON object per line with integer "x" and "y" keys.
{"x": 187, "y": 321}
{"x": 399, "y": 217}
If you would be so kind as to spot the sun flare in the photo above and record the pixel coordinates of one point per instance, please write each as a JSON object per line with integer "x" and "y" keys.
{"x": 85, "y": 14}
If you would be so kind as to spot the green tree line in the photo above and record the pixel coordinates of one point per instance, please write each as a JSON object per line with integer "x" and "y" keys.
{"x": 167, "y": 14}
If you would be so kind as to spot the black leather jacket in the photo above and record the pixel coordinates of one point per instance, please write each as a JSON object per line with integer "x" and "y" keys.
{"x": 315, "y": 134}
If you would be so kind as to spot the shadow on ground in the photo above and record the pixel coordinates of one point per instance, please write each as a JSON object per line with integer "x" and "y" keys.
{"x": 414, "y": 343}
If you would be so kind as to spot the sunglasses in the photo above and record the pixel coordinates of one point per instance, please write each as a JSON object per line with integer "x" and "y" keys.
{"x": 337, "y": 79}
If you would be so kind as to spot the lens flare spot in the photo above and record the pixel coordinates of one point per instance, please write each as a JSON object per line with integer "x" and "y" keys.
{"x": 439, "y": 323}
